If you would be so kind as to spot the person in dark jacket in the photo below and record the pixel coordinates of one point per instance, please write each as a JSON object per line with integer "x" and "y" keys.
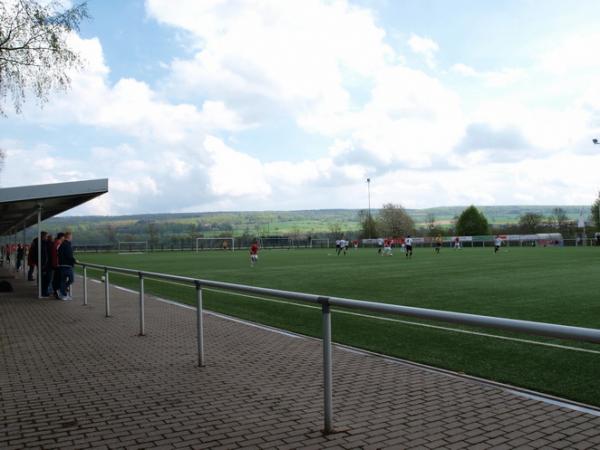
{"x": 32, "y": 257}
{"x": 44, "y": 267}
{"x": 66, "y": 262}
{"x": 56, "y": 272}
{"x": 20, "y": 255}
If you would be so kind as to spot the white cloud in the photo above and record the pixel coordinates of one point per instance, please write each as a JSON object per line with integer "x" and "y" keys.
{"x": 130, "y": 106}
{"x": 326, "y": 67}
{"x": 492, "y": 78}
{"x": 547, "y": 129}
{"x": 234, "y": 173}
{"x": 575, "y": 52}
{"x": 425, "y": 47}
{"x": 285, "y": 54}
{"x": 263, "y": 54}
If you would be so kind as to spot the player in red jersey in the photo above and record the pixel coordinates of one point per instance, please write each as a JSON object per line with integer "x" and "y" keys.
{"x": 253, "y": 254}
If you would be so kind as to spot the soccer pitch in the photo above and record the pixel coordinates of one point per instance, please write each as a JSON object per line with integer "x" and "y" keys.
{"x": 555, "y": 285}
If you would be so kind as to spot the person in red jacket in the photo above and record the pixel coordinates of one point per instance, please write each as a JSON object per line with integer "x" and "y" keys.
{"x": 60, "y": 237}
{"x": 253, "y": 254}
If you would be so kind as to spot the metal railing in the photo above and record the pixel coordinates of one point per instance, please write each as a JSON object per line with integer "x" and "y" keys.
{"x": 522, "y": 326}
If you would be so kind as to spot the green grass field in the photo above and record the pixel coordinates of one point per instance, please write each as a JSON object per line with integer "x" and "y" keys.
{"x": 556, "y": 285}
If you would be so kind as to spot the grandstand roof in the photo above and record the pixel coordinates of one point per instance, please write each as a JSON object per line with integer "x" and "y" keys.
{"x": 19, "y": 205}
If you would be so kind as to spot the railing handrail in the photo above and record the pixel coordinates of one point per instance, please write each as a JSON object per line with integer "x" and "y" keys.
{"x": 522, "y": 326}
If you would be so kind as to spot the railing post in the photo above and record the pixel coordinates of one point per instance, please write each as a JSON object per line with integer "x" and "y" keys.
{"x": 327, "y": 368}
{"x": 199, "y": 324}
{"x": 85, "y": 300}
{"x": 106, "y": 294}
{"x": 142, "y": 325}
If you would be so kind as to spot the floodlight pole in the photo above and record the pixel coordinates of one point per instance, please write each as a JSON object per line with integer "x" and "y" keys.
{"x": 596, "y": 142}
{"x": 369, "y": 195}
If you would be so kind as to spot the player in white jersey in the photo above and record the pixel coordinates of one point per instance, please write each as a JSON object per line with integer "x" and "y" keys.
{"x": 497, "y": 244}
{"x": 408, "y": 244}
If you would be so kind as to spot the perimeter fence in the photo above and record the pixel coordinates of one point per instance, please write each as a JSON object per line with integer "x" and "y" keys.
{"x": 326, "y": 302}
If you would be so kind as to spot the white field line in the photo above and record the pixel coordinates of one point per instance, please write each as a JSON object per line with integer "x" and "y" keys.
{"x": 556, "y": 402}
{"x": 389, "y": 319}
{"x": 210, "y": 313}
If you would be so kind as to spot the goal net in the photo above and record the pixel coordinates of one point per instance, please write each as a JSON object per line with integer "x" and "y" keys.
{"x": 125, "y": 247}
{"x": 319, "y": 243}
{"x": 222, "y": 243}
{"x": 275, "y": 242}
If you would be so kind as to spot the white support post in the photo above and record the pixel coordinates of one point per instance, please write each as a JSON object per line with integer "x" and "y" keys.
{"x": 142, "y": 317}
{"x": 85, "y": 293}
{"x": 327, "y": 369}
{"x": 199, "y": 325}
{"x": 106, "y": 294}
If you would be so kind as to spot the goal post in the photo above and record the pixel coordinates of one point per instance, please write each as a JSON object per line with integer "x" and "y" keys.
{"x": 275, "y": 242}
{"x": 132, "y": 246}
{"x": 220, "y": 243}
{"x": 319, "y": 243}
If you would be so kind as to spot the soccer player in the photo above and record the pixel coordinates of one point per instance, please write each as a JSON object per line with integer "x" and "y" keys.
{"x": 438, "y": 244}
{"x": 253, "y": 253}
{"x": 387, "y": 247}
{"x": 408, "y": 246}
{"x": 338, "y": 246}
{"x": 497, "y": 244}
{"x": 457, "y": 243}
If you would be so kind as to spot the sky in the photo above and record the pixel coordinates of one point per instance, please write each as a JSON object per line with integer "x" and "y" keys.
{"x": 213, "y": 105}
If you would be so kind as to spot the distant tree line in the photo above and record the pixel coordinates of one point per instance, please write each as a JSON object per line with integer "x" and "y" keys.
{"x": 181, "y": 230}
{"x": 393, "y": 220}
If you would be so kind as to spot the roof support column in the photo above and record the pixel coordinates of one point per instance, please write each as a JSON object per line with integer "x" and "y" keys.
{"x": 24, "y": 262}
{"x": 39, "y": 250}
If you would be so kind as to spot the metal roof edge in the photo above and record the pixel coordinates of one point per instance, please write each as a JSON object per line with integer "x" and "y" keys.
{"x": 53, "y": 190}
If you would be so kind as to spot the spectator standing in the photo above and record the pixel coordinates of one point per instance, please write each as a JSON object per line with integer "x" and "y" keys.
{"x": 55, "y": 270}
{"x": 44, "y": 265}
{"x": 20, "y": 255}
{"x": 66, "y": 262}
{"x": 32, "y": 258}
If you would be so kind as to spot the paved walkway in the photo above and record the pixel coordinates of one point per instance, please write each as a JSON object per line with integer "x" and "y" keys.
{"x": 70, "y": 378}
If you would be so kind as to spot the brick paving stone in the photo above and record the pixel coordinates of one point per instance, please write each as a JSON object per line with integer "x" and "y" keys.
{"x": 71, "y": 378}
{"x": 580, "y": 446}
{"x": 456, "y": 445}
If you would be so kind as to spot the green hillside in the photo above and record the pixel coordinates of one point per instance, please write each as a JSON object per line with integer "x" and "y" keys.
{"x": 174, "y": 228}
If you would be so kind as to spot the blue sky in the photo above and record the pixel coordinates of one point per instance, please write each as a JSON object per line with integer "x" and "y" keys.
{"x": 252, "y": 105}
